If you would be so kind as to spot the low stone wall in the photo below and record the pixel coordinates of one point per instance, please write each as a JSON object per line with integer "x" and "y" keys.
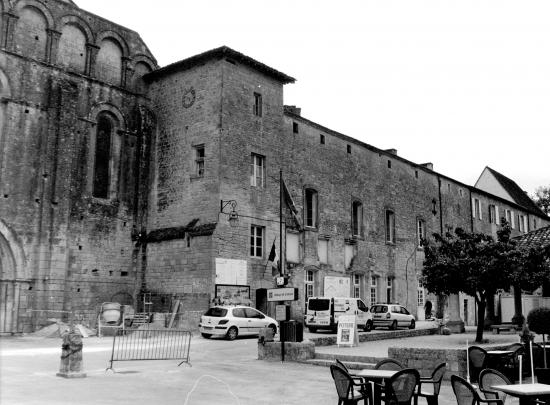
{"x": 369, "y": 337}
{"x": 426, "y": 359}
{"x": 294, "y": 351}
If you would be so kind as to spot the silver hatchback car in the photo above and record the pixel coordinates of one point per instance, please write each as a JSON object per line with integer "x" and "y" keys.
{"x": 232, "y": 321}
{"x": 392, "y": 316}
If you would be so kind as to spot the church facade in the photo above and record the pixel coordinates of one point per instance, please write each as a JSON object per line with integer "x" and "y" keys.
{"x": 122, "y": 181}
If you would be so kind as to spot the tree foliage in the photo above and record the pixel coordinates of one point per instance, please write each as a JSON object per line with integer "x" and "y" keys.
{"x": 542, "y": 198}
{"x": 478, "y": 265}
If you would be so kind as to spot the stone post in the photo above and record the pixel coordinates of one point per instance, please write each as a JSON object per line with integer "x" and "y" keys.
{"x": 455, "y": 324}
{"x": 71, "y": 356}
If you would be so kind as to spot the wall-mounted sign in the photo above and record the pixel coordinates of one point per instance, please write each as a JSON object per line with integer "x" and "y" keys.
{"x": 282, "y": 294}
{"x": 337, "y": 286}
{"x": 282, "y": 312}
{"x": 231, "y": 271}
{"x": 233, "y": 294}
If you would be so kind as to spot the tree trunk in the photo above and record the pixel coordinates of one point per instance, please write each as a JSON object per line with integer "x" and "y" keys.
{"x": 518, "y": 318}
{"x": 490, "y": 315}
{"x": 481, "y": 305}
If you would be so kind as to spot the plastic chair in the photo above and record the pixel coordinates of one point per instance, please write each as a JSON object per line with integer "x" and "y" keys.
{"x": 401, "y": 388}
{"x": 435, "y": 381}
{"x": 466, "y": 394}
{"x": 477, "y": 357}
{"x": 489, "y": 377}
{"x": 349, "y": 392}
{"x": 389, "y": 364}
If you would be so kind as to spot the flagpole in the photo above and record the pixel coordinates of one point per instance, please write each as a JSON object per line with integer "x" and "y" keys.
{"x": 281, "y": 223}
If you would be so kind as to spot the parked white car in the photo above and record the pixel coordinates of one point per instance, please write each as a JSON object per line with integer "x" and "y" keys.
{"x": 391, "y": 316}
{"x": 233, "y": 321}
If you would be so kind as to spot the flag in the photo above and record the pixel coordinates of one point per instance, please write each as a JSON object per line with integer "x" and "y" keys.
{"x": 289, "y": 202}
{"x": 273, "y": 258}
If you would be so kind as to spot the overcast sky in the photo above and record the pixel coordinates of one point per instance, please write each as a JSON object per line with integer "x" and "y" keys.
{"x": 462, "y": 84}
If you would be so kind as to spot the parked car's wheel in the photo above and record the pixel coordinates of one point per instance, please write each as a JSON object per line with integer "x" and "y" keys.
{"x": 273, "y": 329}
{"x": 368, "y": 326}
{"x": 413, "y": 324}
{"x": 206, "y": 335}
{"x": 393, "y": 325}
{"x": 312, "y": 329}
{"x": 232, "y": 333}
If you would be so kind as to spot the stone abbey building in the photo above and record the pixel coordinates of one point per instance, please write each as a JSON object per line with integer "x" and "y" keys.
{"x": 122, "y": 181}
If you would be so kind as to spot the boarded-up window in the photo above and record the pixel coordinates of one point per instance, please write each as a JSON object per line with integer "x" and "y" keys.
{"x": 30, "y": 33}
{"x": 292, "y": 248}
{"x": 349, "y": 253}
{"x": 322, "y": 251}
{"x": 72, "y": 48}
{"x": 109, "y": 62}
{"x": 102, "y": 156}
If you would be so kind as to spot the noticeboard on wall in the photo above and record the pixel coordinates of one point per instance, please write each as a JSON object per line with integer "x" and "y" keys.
{"x": 230, "y": 294}
{"x": 231, "y": 271}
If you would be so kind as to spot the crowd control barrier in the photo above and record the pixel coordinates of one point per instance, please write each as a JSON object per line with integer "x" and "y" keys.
{"x": 151, "y": 344}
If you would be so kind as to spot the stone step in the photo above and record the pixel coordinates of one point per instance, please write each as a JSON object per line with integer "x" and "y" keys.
{"x": 347, "y": 358}
{"x": 378, "y": 335}
{"x": 352, "y": 365}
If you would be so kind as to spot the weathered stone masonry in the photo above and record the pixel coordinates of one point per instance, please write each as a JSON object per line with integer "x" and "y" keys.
{"x": 112, "y": 172}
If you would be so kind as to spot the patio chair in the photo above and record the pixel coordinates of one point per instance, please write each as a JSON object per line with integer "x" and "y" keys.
{"x": 366, "y": 385}
{"x": 401, "y": 388}
{"x": 511, "y": 364}
{"x": 489, "y": 377}
{"x": 434, "y": 383}
{"x": 466, "y": 394}
{"x": 349, "y": 392}
{"x": 477, "y": 357}
{"x": 389, "y": 364}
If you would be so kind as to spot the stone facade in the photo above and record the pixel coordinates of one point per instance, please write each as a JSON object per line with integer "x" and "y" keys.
{"x": 114, "y": 176}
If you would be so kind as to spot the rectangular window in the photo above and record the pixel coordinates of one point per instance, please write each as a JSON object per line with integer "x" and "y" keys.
{"x": 256, "y": 241}
{"x": 322, "y": 139}
{"x": 420, "y": 295}
{"x": 258, "y": 104}
{"x": 477, "y": 208}
{"x": 357, "y": 218}
{"x": 521, "y": 223}
{"x": 389, "y": 290}
{"x": 257, "y": 170}
{"x": 492, "y": 214}
{"x": 199, "y": 160}
{"x": 349, "y": 148}
{"x": 295, "y": 127}
{"x": 373, "y": 288}
{"x": 322, "y": 251}
{"x": 510, "y": 218}
{"x": 390, "y": 226}
{"x": 310, "y": 283}
{"x": 357, "y": 286}
{"x": 420, "y": 231}
{"x": 311, "y": 208}
{"x": 534, "y": 223}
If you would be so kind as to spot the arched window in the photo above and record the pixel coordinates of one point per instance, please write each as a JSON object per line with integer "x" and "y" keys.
{"x": 109, "y": 62}
{"x": 72, "y": 48}
{"x": 102, "y": 156}
{"x": 140, "y": 70}
{"x": 30, "y": 33}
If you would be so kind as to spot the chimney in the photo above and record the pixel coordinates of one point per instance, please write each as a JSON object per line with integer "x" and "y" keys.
{"x": 428, "y": 165}
{"x": 392, "y": 151}
{"x": 293, "y": 109}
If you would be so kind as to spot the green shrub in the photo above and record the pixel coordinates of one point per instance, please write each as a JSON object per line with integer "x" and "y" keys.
{"x": 539, "y": 321}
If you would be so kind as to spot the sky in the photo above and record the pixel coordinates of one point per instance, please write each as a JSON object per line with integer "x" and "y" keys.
{"x": 462, "y": 84}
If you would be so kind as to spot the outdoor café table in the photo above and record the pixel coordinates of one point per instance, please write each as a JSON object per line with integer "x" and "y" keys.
{"x": 497, "y": 358}
{"x": 377, "y": 376}
{"x": 525, "y": 392}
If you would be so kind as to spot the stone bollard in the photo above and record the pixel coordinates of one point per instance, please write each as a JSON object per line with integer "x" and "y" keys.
{"x": 71, "y": 356}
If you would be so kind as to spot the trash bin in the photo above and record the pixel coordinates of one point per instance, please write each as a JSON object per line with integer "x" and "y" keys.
{"x": 292, "y": 331}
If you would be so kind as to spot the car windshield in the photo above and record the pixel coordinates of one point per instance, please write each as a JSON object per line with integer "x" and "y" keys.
{"x": 318, "y": 305}
{"x": 379, "y": 309}
{"x": 216, "y": 312}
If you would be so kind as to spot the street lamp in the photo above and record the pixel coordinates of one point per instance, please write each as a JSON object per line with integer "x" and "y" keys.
{"x": 228, "y": 207}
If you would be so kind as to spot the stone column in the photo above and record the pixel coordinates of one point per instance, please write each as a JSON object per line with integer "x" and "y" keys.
{"x": 52, "y": 46}
{"x": 126, "y": 72}
{"x": 9, "y": 20}
{"x": 454, "y": 323}
{"x": 91, "y": 56}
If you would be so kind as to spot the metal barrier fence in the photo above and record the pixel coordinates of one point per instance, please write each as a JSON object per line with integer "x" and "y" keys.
{"x": 151, "y": 344}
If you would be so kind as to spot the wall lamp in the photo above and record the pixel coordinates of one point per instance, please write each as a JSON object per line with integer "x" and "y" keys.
{"x": 228, "y": 207}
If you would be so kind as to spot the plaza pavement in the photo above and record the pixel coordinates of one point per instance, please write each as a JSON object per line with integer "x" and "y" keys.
{"x": 221, "y": 372}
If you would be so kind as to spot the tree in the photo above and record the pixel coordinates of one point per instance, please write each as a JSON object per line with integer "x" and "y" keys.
{"x": 477, "y": 265}
{"x": 542, "y": 199}
{"x": 466, "y": 262}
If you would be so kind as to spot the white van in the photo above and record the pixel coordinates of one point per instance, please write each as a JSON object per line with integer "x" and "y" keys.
{"x": 323, "y": 312}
